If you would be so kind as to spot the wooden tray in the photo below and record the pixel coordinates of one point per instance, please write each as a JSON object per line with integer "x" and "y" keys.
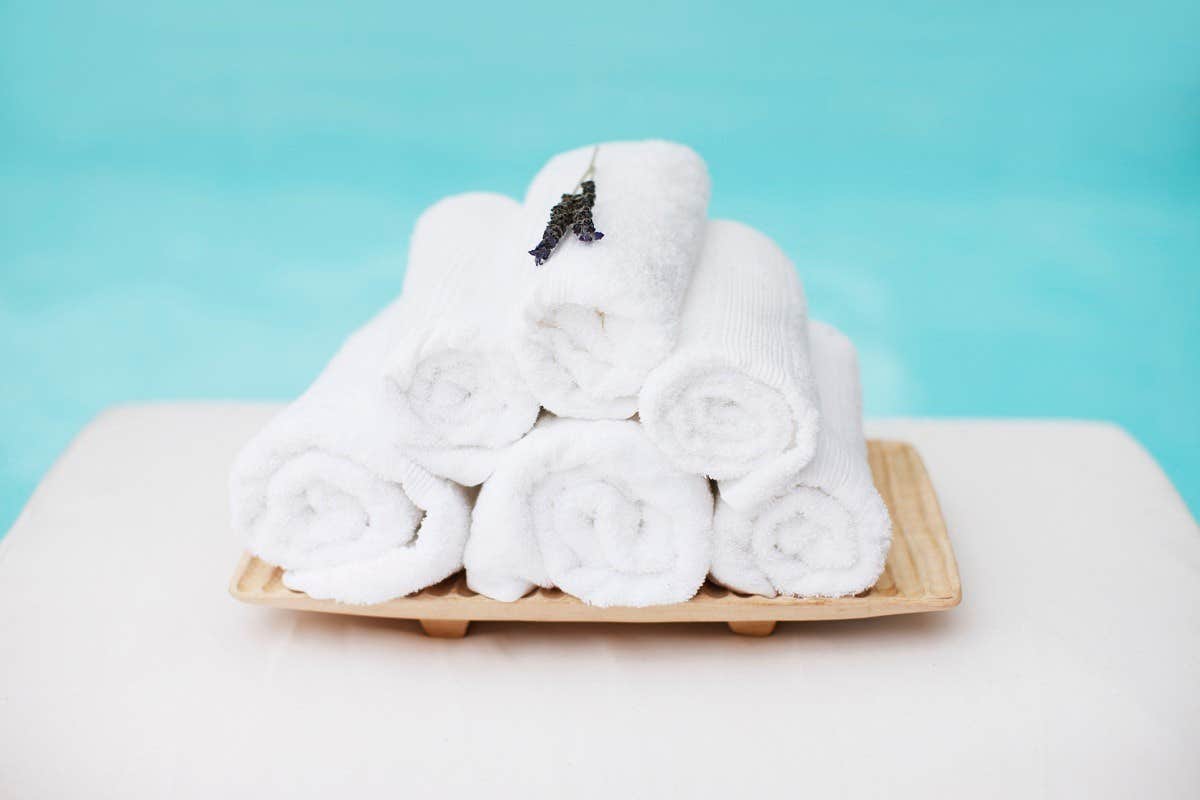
{"x": 920, "y": 575}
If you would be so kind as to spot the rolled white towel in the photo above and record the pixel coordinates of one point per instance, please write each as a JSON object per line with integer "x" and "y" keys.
{"x": 600, "y": 315}
{"x": 592, "y": 508}
{"x": 325, "y": 492}
{"x": 829, "y": 534}
{"x": 736, "y": 401}
{"x": 450, "y": 375}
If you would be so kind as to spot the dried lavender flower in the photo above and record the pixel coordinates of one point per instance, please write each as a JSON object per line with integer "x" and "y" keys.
{"x": 574, "y": 212}
{"x": 582, "y": 223}
{"x": 561, "y": 218}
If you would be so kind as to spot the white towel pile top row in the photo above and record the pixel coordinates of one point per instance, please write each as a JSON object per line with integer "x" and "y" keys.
{"x": 598, "y": 401}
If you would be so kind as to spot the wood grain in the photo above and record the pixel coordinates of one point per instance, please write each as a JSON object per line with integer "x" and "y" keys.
{"x": 920, "y": 575}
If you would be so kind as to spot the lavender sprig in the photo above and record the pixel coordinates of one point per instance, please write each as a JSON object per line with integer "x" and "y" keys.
{"x": 574, "y": 212}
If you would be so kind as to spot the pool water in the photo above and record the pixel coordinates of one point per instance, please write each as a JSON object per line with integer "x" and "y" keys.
{"x": 1001, "y": 205}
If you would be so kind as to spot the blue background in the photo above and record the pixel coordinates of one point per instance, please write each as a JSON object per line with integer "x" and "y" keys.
{"x": 999, "y": 201}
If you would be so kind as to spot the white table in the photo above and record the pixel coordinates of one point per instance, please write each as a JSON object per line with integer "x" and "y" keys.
{"x": 1071, "y": 669}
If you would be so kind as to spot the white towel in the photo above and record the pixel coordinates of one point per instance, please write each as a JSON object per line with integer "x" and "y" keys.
{"x": 592, "y": 508}
{"x": 736, "y": 401}
{"x": 602, "y": 314}
{"x": 451, "y": 377}
{"x": 829, "y": 535}
{"x": 325, "y": 492}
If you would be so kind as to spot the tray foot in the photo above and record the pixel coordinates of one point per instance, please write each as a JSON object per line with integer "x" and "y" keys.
{"x": 445, "y": 628}
{"x": 752, "y": 627}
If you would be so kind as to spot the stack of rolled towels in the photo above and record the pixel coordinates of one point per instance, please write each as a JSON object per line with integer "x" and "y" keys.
{"x": 636, "y": 415}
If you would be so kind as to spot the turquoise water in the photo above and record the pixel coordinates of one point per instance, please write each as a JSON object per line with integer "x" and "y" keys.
{"x": 999, "y": 202}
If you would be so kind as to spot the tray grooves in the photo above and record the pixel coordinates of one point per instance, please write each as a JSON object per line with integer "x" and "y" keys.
{"x": 256, "y": 575}
{"x": 274, "y": 582}
{"x": 915, "y": 520}
{"x": 945, "y": 582}
{"x": 906, "y": 564}
{"x": 886, "y": 585}
{"x": 460, "y": 586}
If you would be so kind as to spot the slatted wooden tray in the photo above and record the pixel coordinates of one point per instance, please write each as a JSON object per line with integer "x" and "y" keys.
{"x": 921, "y": 575}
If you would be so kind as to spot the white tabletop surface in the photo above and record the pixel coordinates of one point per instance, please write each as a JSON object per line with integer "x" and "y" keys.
{"x": 1072, "y": 668}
